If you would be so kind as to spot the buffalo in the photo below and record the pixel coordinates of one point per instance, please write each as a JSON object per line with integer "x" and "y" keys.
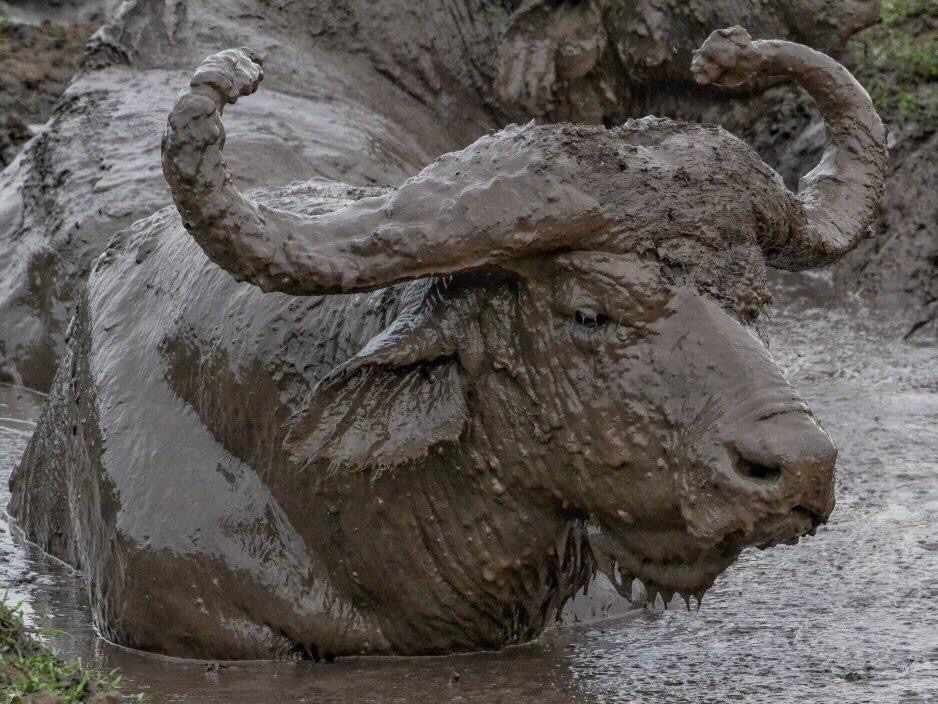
{"x": 328, "y": 419}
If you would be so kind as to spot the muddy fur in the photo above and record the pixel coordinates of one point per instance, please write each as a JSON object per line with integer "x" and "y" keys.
{"x": 329, "y": 419}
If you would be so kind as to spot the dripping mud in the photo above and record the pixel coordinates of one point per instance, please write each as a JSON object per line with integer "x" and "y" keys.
{"x": 845, "y": 615}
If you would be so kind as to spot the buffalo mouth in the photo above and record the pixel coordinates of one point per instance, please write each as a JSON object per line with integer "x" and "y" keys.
{"x": 689, "y": 579}
{"x": 625, "y": 563}
{"x": 787, "y": 528}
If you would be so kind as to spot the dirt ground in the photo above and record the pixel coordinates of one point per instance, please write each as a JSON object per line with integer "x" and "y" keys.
{"x": 36, "y": 64}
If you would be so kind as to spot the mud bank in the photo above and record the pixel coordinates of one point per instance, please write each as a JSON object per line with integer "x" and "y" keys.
{"x": 897, "y": 268}
{"x": 36, "y": 64}
{"x": 429, "y": 76}
{"x": 94, "y": 168}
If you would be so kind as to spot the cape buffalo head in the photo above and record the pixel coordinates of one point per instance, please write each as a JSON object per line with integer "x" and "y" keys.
{"x": 575, "y": 314}
{"x": 631, "y": 388}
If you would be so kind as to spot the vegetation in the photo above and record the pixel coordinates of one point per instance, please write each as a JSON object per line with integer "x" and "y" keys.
{"x": 895, "y": 11}
{"x": 898, "y": 61}
{"x": 30, "y": 673}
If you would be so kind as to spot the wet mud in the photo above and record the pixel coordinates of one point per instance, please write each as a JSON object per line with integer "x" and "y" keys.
{"x": 358, "y": 92}
{"x": 503, "y": 414}
{"x": 846, "y": 616}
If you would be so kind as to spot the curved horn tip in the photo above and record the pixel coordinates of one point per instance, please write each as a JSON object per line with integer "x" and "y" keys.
{"x": 727, "y": 58}
{"x": 231, "y": 74}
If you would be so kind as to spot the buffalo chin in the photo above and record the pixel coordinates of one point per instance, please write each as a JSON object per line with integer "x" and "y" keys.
{"x": 691, "y": 578}
{"x": 787, "y": 528}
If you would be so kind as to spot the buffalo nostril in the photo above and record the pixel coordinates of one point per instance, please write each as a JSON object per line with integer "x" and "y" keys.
{"x": 755, "y": 470}
{"x": 786, "y": 446}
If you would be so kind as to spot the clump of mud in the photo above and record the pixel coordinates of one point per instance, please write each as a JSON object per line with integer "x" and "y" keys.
{"x": 36, "y": 64}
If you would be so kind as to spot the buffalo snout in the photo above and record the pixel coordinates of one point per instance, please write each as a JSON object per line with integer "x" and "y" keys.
{"x": 787, "y": 460}
{"x": 766, "y": 466}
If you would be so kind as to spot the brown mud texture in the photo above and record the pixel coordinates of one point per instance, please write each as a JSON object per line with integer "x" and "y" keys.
{"x": 361, "y": 92}
{"x": 36, "y": 65}
{"x": 413, "y": 404}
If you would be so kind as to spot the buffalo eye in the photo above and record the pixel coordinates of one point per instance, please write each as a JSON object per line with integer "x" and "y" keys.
{"x": 589, "y": 318}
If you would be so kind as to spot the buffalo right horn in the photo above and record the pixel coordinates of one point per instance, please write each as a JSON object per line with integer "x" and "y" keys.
{"x": 839, "y": 200}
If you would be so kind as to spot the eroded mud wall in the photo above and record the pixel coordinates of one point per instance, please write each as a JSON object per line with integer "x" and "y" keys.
{"x": 897, "y": 268}
{"x": 94, "y": 168}
{"x": 37, "y": 61}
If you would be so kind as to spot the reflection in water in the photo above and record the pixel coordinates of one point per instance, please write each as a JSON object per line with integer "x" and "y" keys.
{"x": 847, "y": 616}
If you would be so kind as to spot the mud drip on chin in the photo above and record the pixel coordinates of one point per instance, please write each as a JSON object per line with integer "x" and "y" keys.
{"x": 648, "y": 591}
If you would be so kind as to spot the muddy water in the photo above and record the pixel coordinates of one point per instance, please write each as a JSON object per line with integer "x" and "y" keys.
{"x": 847, "y": 616}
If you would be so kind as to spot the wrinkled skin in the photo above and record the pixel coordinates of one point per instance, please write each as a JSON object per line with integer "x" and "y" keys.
{"x": 551, "y": 331}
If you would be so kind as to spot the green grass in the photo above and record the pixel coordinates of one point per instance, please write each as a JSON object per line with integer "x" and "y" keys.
{"x": 898, "y": 61}
{"x": 895, "y": 11}
{"x": 27, "y": 667}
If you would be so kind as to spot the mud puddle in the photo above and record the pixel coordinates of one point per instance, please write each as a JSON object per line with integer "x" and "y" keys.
{"x": 847, "y": 616}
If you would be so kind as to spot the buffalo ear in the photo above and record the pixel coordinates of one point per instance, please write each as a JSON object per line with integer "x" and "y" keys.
{"x": 401, "y": 397}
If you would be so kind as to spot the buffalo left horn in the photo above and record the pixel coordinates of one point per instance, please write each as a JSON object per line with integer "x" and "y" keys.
{"x": 452, "y": 216}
